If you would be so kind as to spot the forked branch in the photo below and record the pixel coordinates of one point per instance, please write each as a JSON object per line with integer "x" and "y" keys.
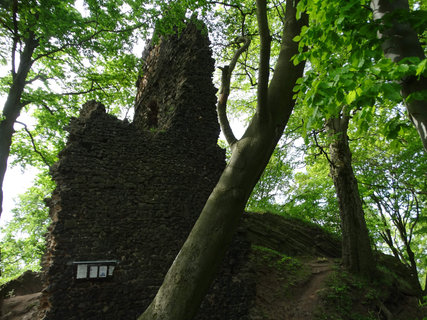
{"x": 225, "y": 92}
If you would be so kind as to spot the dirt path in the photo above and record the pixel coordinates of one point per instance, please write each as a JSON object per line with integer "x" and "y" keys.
{"x": 303, "y": 305}
{"x": 299, "y": 302}
{"x": 20, "y": 307}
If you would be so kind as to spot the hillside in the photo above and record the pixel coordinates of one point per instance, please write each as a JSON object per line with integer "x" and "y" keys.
{"x": 298, "y": 277}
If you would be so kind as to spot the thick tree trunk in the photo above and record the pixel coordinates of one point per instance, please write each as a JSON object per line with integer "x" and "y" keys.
{"x": 193, "y": 270}
{"x": 356, "y": 248}
{"x": 401, "y": 41}
{"x": 13, "y": 107}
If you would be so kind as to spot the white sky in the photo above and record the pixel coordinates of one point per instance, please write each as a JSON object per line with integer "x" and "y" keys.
{"x": 16, "y": 182}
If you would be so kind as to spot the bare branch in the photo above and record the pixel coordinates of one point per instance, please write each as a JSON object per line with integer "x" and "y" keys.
{"x": 322, "y": 150}
{"x": 225, "y": 92}
{"x": 280, "y": 14}
{"x": 76, "y": 93}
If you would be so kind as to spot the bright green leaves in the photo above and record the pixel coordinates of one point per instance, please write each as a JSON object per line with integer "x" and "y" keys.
{"x": 363, "y": 118}
{"x": 392, "y": 179}
{"x": 311, "y": 196}
{"x": 340, "y": 45}
{"x": 421, "y": 68}
{"x": 301, "y": 7}
{"x": 351, "y": 96}
{"x": 22, "y": 239}
{"x": 274, "y": 182}
{"x": 346, "y": 64}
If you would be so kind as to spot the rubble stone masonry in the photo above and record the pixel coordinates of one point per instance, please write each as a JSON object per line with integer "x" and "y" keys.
{"x": 131, "y": 192}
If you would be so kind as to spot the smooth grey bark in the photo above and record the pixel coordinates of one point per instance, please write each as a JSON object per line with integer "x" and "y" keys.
{"x": 357, "y": 254}
{"x": 401, "y": 41}
{"x": 13, "y": 106}
{"x": 194, "y": 268}
{"x": 225, "y": 92}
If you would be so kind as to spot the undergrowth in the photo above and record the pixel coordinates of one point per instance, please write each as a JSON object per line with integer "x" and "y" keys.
{"x": 290, "y": 270}
{"x": 347, "y": 297}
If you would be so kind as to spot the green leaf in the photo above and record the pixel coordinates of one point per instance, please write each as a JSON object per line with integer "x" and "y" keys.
{"x": 350, "y": 97}
{"x": 421, "y": 67}
{"x": 391, "y": 91}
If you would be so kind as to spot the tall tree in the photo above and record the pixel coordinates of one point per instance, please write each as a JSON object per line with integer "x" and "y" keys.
{"x": 194, "y": 268}
{"x": 340, "y": 46}
{"x": 357, "y": 254}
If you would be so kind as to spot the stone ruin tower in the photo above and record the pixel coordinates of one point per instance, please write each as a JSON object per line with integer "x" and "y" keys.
{"x": 128, "y": 194}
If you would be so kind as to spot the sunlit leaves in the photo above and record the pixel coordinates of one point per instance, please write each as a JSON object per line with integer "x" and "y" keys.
{"x": 421, "y": 68}
{"x": 22, "y": 239}
{"x": 273, "y": 185}
{"x": 392, "y": 179}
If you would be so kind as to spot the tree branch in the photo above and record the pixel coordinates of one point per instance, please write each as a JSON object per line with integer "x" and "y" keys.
{"x": 47, "y": 108}
{"x": 79, "y": 43}
{"x": 34, "y": 144}
{"x": 15, "y": 37}
{"x": 264, "y": 57}
{"x": 280, "y": 104}
{"x": 322, "y": 150}
{"x": 235, "y": 6}
{"x": 225, "y": 92}
{"x": 91, "y": 89}
{"x": 4, "y": 24}
{"x": 37, "y": 77}
{"x": 417, "y": 217}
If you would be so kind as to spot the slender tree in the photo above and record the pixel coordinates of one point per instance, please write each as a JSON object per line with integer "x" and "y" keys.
{"x": 194, "y": 268}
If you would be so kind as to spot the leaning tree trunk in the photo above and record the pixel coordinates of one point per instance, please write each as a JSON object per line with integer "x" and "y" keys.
{"x": 13, "y": 107}
{"x": 357, "y": 254}
{"x": 194, "y": 268}
{"x": 401, "y": 41}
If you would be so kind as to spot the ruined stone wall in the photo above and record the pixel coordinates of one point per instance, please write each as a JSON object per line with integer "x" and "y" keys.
{"x": 173, "y": 93}
{"x": 131, "y": 192}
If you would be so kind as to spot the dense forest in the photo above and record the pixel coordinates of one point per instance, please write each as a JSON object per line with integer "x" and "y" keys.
{"x": 333, "y": 96}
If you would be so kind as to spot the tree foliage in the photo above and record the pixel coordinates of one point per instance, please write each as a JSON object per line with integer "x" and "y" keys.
{"x": 22, "y": 239}
{"x": 347, "y": 74}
